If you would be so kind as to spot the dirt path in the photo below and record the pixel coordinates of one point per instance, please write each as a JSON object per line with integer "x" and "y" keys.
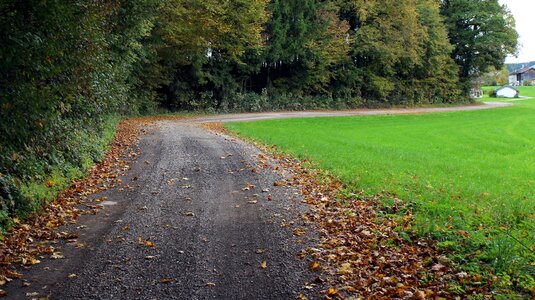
{"x": 197, "y": 200}
{"x": 344, "y": 113}
{"x": 196, "y": 223}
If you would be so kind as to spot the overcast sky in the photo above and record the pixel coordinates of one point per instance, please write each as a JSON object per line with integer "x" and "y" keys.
{"x": 524, "y": 12}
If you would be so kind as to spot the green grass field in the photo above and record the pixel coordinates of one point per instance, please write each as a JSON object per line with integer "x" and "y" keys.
{"x": 469, "y": 175}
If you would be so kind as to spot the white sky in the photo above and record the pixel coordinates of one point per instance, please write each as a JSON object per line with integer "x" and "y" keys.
{"x": 524, "y": 12}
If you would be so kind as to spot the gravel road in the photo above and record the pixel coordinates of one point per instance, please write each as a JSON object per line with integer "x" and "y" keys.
{"x": 196, "y": 223}
{"x": 345, "y": 113}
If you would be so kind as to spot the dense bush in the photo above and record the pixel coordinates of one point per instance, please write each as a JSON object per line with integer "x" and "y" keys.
{"x": 67, "y": 66}
{"x": 253, "y": 102}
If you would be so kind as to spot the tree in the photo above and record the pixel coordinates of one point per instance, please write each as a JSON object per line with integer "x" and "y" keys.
{"x": 196, "y": 33}
{"x": 495, "y": 77}
{"x": 305, "y": 40}
{"x": 401, "y": 52}
{"x": 483, "y": 34}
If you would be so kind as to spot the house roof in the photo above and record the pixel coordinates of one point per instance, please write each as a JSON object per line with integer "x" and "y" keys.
{"x": 523, "y": 70}
{"x": 507, "y": 86}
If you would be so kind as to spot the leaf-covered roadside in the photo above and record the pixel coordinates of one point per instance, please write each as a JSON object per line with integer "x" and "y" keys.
{"x": 33, "y": 239}
{"x": 366, "y": 247}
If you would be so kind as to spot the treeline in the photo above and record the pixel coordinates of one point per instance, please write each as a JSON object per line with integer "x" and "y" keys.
{"x": 66, "y": 66}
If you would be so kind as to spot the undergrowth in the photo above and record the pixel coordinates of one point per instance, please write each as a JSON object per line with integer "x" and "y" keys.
{"x": 38, "y": 179}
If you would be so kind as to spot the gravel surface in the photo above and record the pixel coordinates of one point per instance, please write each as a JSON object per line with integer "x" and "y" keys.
{"x": 196, "y": 225}
{"x": 345, "y": 113}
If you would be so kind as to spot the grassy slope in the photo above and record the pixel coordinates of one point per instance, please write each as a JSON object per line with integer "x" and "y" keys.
{"x": 471, "y": 171}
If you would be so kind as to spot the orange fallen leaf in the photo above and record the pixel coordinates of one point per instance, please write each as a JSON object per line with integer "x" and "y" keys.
{"x": 331, "y": 291}
{"x": 314, "y": 266}
{"x": 30, "y": 261}
{"x": 299, "y": 232}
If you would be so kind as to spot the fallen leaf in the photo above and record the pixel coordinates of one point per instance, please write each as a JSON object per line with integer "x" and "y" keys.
{"x": 13, "y": 274}
{"x": 437, "y": 267}
{"x": 263, "y": 265}
{"x": 345, "y": 269}
{"x": 331, "y": 291}
{"x": 142, "y": 241}
{"x": 299, "y": 231}
{"x": 166, "y": 280}
{"x": 30, "y": 261}
{"x": 71, "y": 276}
{"x": 189, "y": 214}
{"x": 314, "y": 266}
{"x": 420, "y": 295}
{"x": 57, "y": 255}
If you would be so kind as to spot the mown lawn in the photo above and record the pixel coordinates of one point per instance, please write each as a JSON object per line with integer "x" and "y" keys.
{"x": 469, "y": 175}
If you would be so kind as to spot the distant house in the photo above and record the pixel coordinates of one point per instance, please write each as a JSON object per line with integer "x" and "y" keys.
{"x": 507, "y": 92}
{"x": 523, "y": 76}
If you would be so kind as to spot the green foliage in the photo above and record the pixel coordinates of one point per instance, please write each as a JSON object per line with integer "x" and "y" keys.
{"x": 67, "y": 66}
{"x": 402, "y": 53}
{"x": 483, "y": 33}
{"x": 495, "y": 77}
{"x": 305, "y": 40}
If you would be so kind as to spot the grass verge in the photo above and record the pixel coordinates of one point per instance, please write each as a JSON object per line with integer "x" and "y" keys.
{"x": 60, "y": 176}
